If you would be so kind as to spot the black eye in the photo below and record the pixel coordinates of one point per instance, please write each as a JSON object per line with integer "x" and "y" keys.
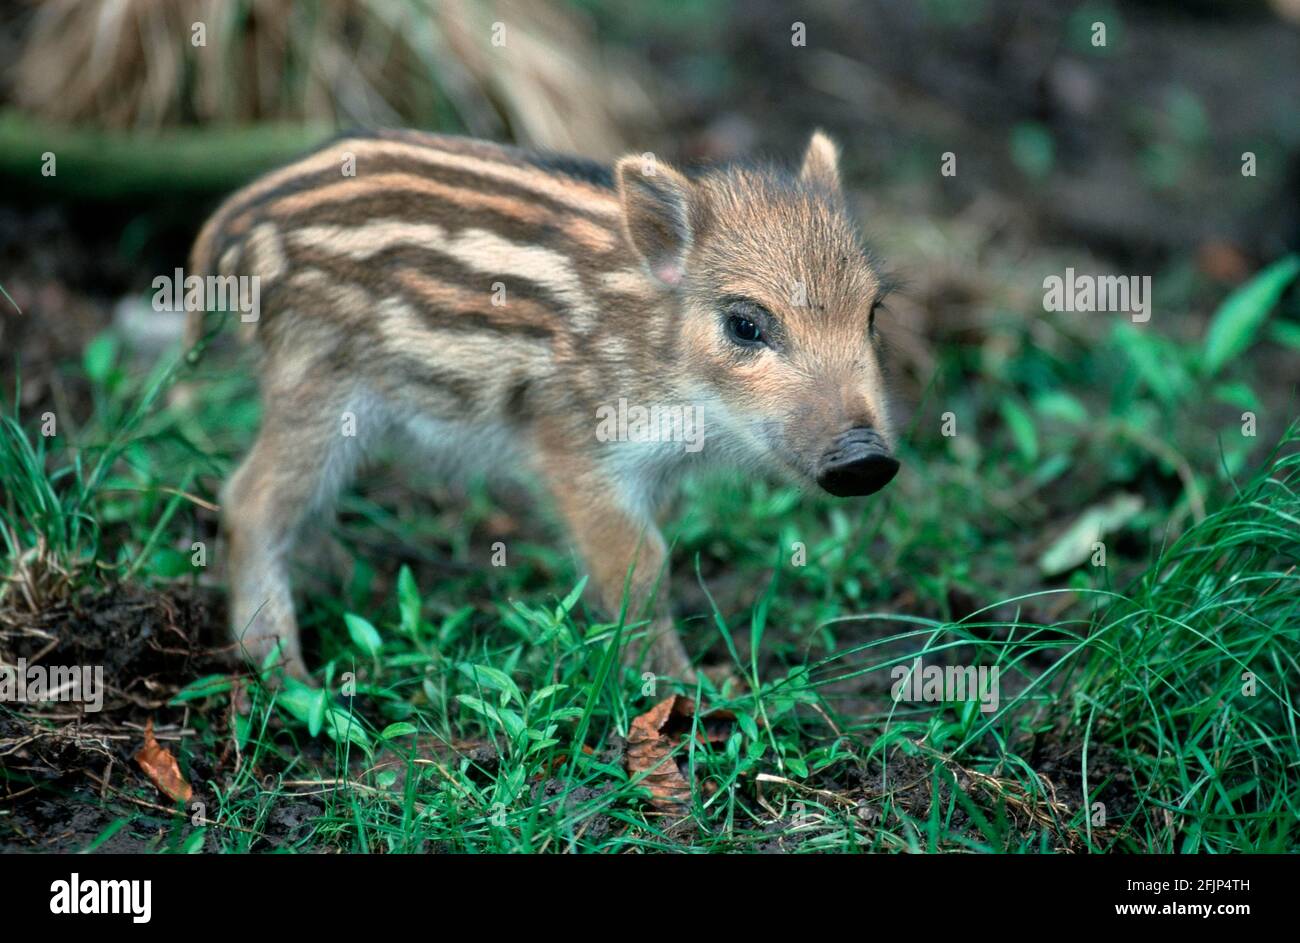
{"x": 744, "y": 330}
{"x": 871, "y": 318}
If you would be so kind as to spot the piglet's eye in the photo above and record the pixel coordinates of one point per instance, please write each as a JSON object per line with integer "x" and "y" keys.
{"x": 743, "y": 330}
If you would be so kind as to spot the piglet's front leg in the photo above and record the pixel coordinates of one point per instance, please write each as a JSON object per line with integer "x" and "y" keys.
{"x": 622, "y": 550}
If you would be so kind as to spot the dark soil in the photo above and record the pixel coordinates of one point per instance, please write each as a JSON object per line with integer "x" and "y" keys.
{"x": 906, "y": 787}
{"x": 68, "y": 773}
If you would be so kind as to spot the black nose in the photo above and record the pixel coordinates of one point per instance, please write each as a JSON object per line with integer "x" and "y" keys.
{"x": 858, "y": 464}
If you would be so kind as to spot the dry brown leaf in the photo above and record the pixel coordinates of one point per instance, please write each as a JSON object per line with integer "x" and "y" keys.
{"x": 161, "y": 767}
{"x": 649, "y": 752}
{"x": 652, "y": 738}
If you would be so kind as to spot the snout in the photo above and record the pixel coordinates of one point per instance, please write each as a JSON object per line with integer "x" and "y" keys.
{"x": 857, "y": 464}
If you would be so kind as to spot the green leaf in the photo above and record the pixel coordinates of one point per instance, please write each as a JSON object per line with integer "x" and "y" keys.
{"x": 305, "y": 704}
{"x": 1158, "y": 361}
{"x": 747, "y": 725}
{"x": 571, "y": 600}
{"x": 169, "y": 563}
{"x": 1237, "y": 394}
{"x": 544, "y": 693}
{"x": 298, "y": 701}
{"x": 494, "y": 679}
{"x": 509, "y": 721}
{"x": 272, "y": 658}
{"x": 1022, "y": 429}
{"x": 204, "y": 687}
{"x": 1234, "y": 326}
{"x": 1062, "y": 406}
{"x": 342, "y": 725}
{"x": 364, "y": 635}
{"x": 402, "y": 729}
{"x": 316, "y": 712}
{"x": 408, "y": 601}
{"x": 99, "y": 357}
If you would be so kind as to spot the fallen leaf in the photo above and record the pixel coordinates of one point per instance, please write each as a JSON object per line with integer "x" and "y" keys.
{"x": 649, "y": 752}
{"x": 161, "y": 767}
{"x": 654, "y": 735}
{"x": 1075, "y": 545}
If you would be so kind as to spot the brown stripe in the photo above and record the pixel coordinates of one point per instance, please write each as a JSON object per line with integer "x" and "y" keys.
{"x": 380, "y": 273}
{"x": 377, "y": 184}
{"x": 588, "y": 234}
{"x": 479, "y": 161}
{"x": 473, "y": 309}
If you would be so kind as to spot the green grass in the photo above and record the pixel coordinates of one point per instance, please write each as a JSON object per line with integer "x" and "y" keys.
{"x": 1192, "y": 676}
{"x": 475, "y": 708}
{"x": 1152, "y": 678}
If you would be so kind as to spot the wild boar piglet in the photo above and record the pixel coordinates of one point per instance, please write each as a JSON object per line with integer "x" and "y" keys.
{"x": 601, "y": 329}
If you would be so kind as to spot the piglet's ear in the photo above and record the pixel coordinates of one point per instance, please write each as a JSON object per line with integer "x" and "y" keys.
{"x": 821, "y": 162}
{"x": 656, "y": 215}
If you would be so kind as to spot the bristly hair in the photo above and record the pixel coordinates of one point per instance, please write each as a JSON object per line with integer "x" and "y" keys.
{"x": 780, "y": 178}
{"x": 580, "y": 168}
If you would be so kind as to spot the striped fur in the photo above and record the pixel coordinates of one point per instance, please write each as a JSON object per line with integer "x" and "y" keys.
{"x": 490, "y": 302}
